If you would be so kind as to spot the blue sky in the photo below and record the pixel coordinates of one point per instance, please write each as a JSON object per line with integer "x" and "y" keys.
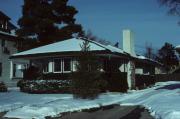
{"x": 107, "y": 18}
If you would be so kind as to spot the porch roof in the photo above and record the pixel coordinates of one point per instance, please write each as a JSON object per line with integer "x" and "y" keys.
{"x": 69, "y": 46}
{"x": 145, "y": 60}
{"x": 178, "y": 48}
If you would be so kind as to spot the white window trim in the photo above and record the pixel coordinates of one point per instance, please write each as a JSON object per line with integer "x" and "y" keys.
{"x": 51, "y": 66}
{"x": 12, "y": 68}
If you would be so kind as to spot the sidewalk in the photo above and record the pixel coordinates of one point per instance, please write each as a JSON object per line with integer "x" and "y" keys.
{"x": 115, "y": 112}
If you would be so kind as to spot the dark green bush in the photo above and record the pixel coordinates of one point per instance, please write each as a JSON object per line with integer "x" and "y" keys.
{"x": 143, "y": 81}
{"x": 32, "y": 73}
{"x": 3, "y": 87}
{"x": 117, "y": 82}
{"x": 87, "y": 85}
{"x": 87, "y": 81}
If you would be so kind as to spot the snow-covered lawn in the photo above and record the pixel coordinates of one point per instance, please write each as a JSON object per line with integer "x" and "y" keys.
{"x": 163, "y": 100}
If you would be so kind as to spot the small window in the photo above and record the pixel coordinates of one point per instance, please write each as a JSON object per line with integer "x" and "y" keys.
{"x": 67, "y": 64}
{"x": 14, "y": 70}
{"x": 1, "y": 24}
{"x": 3, "y": 43}
{"x": 0, "y": 69}
{"x": 57, "y": 65}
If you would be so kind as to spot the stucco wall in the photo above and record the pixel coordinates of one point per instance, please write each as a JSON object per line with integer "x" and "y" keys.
{"x": 4, "y": 59}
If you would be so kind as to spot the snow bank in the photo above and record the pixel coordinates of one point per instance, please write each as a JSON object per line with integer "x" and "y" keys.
{"x": 162, "y": 100}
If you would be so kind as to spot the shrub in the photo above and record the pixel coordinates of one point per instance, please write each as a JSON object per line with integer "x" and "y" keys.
{"x": 142, "y": 81}
{"x": 87, "y": 81}
{"x": 3, "y": 87}
{"x": 45, "y": 86}
{"x": 117, "y": 82}
{"x": 31, "y": 73}
{"x": 87, "y": 85}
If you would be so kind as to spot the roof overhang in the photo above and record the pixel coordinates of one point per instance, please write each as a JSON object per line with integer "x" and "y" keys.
{"x": 148, "y": 62}
{"x": 104, "y": 53}
{"x": 8, "y": 37}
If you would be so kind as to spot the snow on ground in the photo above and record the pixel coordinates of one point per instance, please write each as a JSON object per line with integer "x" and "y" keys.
{"x": 163, "y": 100}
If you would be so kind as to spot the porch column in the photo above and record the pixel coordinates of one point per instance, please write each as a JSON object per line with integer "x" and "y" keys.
{"x": 11, "y": 69}
{"x": 131, "y": 75}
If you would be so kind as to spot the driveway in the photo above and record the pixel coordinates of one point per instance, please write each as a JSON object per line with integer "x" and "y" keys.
{"x": 115, "y": 112}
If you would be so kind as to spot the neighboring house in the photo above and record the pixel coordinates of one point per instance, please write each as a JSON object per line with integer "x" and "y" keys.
{"x": 9, "y": 71}
{"x": 177, "y": 68}
{"x": 61, "y": 57}
{"x": 177, "y": 48}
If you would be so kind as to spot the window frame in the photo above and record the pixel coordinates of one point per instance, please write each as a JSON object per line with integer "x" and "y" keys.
{"x": 53, "y": 66}
{"x": 47, "y": 68}
{"x": 1, "y": 69}
{"x": 70, "y": 65}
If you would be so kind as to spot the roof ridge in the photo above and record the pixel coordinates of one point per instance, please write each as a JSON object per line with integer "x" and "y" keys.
{"x": 95, "y": 42}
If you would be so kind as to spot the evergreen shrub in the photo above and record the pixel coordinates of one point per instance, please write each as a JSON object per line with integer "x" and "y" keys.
{"x": 3, "y": 87}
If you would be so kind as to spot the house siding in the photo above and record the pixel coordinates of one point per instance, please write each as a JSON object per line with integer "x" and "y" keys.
{"x": 6, "y": 63}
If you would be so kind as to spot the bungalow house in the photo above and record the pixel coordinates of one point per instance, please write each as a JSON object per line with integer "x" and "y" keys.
{"x": 8, "y": 43}
{"x": 178, "y": 48}
{"x": 61, "y": 57}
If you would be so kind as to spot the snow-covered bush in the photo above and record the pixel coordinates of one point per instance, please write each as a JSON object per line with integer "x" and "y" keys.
{"x": 3, "y": 87}
{"x": 45, "y": 86}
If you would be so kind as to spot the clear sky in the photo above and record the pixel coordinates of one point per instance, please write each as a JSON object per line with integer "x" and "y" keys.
{"x": 107, "y": 18}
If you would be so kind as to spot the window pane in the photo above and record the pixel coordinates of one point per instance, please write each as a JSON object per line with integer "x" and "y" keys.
{"x": 0, "y": 69}
{"x": 46, "y": 67}
{"x": 14, "y": 70}
{"x": 57, "y": 65}
{"x": 67, "y": 64}
{"x": 3, "y": 43}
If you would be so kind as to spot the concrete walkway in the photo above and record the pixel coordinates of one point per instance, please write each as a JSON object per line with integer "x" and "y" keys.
{"x": 115, "y": 112}
{"x": 107, "y": 112}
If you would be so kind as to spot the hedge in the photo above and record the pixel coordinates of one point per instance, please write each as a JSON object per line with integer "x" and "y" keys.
{"x": 45, "y": 86}
{"x": 116, "y": 82}
{"x": 143, "y": 81}
{"x": 3, "y": 87}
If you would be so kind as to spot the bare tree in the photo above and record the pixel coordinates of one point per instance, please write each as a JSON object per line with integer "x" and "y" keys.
{"x": 149, "y": 51}
{"x": 174, "y": 6}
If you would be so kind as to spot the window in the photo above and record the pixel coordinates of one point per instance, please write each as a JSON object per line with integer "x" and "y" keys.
{"x": 46, "y": 67}
{"x": 0, "y": 69}
{"x": 18, "y": 70}
{"x": 67, "y": 64}
{"x": 3, "y": 43}
{"x": 57, "y": 65}
{"x": 1, "y": 24}
{"x": 14, "y": 70}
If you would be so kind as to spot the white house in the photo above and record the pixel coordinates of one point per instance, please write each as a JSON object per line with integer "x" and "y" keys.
{"x": 60, "y": 57}
{"x": 9, "y": 72}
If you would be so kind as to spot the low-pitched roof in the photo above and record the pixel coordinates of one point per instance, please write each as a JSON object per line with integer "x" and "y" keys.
{"x": 177, "y": 48}
{"x": 141, "y": 58}
{"x": 8, "y": 36}
{"x": 73, "y": 44}
{"x": 2, "y": 15}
